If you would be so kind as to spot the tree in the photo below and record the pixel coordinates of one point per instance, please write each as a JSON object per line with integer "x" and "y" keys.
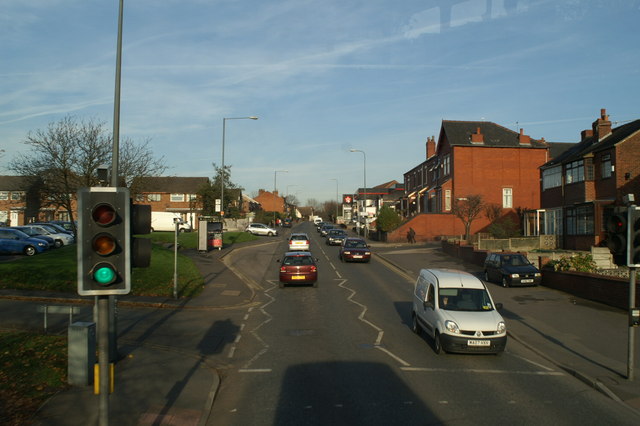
{"x": 467, "y": 209}
{"x": 210, "y": 192}
{"x": 387, "y": 219}
{"x": 66, "y": 156}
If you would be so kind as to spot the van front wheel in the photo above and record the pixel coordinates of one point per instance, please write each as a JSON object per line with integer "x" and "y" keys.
{"x": 414, "y": 325}
{"x": 437, "y": 344}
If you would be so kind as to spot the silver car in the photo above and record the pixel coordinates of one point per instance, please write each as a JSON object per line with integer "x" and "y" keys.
{"x": 260, "y": 229}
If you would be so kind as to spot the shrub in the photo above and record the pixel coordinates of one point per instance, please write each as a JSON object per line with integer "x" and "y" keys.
{"x": 580, "y": 262}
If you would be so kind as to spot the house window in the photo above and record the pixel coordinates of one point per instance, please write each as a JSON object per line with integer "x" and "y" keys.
{"x": 192, "y": 197}
{"x": 447, "y": 200}
{"x": 553, "y": 222}
{"x": 552, "y": 178}
{"x": 4, "y": 195}
{"x": 176, "y": 198}
{"x": 507, "y": 198}
{"x": 17, "y": 195}
{"x": 588, "y": 169}
{"x": 580, "y": 220}
{"x": 605, "y": 166}
{"x": 446, "y": 165}
{"x": 574, "y": 172}
{"x": 140, "y": 198}
{"x": 154, "y": 197}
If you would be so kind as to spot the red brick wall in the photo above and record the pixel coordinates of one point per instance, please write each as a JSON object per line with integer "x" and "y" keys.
{"x": 485, "y": 171}
{"x": 430, "y": 226}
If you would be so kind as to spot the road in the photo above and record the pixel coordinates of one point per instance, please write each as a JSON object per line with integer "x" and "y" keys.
{"x": 343, "y": 353}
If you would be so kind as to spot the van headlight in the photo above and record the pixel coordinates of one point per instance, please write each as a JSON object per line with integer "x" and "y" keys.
{"x": 502, "y": 328}
{"x": 451, "y": 327}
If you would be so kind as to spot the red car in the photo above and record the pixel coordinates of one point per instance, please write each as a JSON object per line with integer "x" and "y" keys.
{"x": 298, "y": 267}
{"x": 355, "y": 250}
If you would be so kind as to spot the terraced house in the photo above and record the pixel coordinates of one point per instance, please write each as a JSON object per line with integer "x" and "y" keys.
{"x": 583, "y": 186}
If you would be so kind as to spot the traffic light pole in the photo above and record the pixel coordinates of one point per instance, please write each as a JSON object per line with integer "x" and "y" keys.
{"x": 632, "y": 329}
{"x": 103, "y": 358}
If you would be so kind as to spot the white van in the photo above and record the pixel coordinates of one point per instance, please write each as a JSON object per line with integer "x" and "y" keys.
{"x": 457, "y": 312}
{"x": 165, "y": 221}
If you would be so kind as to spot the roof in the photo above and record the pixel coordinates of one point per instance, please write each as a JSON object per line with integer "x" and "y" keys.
{"x": 172, "y": 184}
{"x": 592, "y": 144}
{"x": 495, "y": 136}
{"x": 452, "y": 278}
{"x": 16, "y": 183}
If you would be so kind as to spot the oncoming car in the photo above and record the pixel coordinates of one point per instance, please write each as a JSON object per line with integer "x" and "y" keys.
{"x": 260, "y": 229}
{"x": 354, "y": 250}
{"x": 298, "y": 267}
{"x": 457, "y": 312}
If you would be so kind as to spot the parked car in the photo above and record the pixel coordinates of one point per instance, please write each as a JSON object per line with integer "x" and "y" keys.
{"x": 299, "y": 242}
{"x": 354, "y": 250}
{"x": 260, "y": 229}
{"x": 69, "y": 226}
{"x": 511, "y": 269}
{"x": 457, "y": 312}
{"x": 298, "y": 267}
{"x": 53, "y": 227}
{"x": 16, "y": 241}
{"x": 61, "y": 238}
{"x": 33, "y": 232}
{"x": 335, "y": 237}
{"x": 325, "y": 228}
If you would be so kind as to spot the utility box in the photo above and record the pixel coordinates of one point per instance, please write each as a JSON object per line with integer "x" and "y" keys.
{"x": 81, "y": 353}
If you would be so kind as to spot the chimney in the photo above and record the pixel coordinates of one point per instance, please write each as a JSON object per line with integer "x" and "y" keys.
{"x": 431, "y": 146}
{"x": 602, "y": 126}
{"x": 524, "y": 139}
{"x": 477, "y": 137}
{"x": 585, "y": 134}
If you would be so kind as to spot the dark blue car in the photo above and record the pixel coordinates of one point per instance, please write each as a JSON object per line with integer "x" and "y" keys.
{"x": 13, "y": 241}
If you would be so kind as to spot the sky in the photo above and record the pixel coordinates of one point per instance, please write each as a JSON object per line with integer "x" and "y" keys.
{"x": 322, "y": 76}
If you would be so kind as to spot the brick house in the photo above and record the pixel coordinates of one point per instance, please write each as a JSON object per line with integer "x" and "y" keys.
{"x": 582, "y": 187}
{"x": 271, "y": 201}
{"x": 21, "y": 202}
{"x": 172, "y": 194}
{"x": 471, "y": 158}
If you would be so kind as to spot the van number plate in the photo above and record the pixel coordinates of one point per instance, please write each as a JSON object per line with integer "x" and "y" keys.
{"x": 478, "y": 343}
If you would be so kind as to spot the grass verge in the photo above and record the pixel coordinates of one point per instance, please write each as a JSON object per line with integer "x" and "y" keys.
{"x": 34, "y": 367}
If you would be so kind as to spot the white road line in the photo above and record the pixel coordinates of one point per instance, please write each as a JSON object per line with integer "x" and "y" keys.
{"x": 254, "y": 370}
{"x": 232, "y": 352}
{"x": 480, "y": 371}
{"x": 533, "y": 362}
{"x": 397, "y": 358}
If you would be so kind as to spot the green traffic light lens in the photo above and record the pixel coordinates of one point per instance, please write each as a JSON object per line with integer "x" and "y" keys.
{"x": 104, "y": 274}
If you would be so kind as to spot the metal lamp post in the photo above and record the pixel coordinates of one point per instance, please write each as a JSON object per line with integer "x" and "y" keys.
{"x": 336, "y": 219}
{"x": 222, "y": 175}
{"x": 364, "y": 202}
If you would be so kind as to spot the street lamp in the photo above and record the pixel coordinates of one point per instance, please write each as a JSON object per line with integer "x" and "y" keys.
{"x": 336, "y": 198}
{"x": 222, "y": 174}
{"x": 275, "y": 189}
{"x": 364, "y": 203}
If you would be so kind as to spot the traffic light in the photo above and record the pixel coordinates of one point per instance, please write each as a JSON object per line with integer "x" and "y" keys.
{"x": 617, "y": 237}
{"x": 633, "y": 251}
{"x": 104, "y": 241}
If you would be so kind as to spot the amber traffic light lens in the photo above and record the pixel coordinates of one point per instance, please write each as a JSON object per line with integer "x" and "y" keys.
{"x": 104, "y": 214}
{"x": 104, "y": 244}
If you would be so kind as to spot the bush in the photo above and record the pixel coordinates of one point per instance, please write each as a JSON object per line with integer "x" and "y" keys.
{"x": 504, "y": 228}
{"x": 579, "y": 262}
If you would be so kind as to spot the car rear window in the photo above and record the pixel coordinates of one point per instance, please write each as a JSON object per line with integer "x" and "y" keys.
{"x": 299, "y": 237}
{"x": 297, "y": 260}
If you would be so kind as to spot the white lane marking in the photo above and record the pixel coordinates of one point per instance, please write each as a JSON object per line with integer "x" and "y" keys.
{"x": 255, "y": 331}
{"x": 378, "y": 342}
{"x": 254, "y": 370}
{"x": 232, "y": 352}
{"x": 533, "y": 362}
{"x": 480, "y": 371}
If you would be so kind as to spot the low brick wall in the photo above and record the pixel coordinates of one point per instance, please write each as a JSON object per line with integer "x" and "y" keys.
{"x": 611, "y": 291}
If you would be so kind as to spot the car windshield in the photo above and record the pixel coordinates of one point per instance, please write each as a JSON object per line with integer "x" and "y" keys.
{"x": 297, "y": 260}
{"x": 515, "y": 260}
{"x": 355, "y": 244}
{"x": 465, "y": 299}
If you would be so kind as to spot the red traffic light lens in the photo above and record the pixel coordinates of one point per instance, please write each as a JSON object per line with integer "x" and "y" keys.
{"x": 617, "y": 223}
{"x": 104, "y": 214}
{"x": 104, "y": 244}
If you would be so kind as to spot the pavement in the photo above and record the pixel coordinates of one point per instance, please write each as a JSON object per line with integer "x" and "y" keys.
{"x": 587, "y": 340}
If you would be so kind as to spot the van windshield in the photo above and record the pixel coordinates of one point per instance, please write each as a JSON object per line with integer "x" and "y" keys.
{"x": 465, "y": 299}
